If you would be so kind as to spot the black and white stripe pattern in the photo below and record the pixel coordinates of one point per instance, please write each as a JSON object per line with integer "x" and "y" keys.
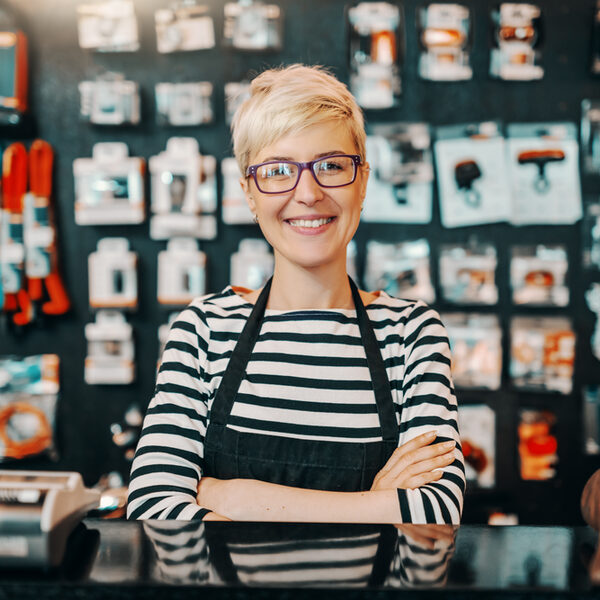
{"x": 313, "y": 556}
{"x": 308, "y": 378}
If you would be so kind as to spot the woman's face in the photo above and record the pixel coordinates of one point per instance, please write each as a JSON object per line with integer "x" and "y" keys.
{"x": 309, "y": 226}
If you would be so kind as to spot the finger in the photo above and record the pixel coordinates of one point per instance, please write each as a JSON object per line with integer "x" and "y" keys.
{"x": 422, "y": 466}
{"x": 419, "y": 442}
{"x": 427, "y": 453}
{"x": 417, "y": 481}
{"x": 443, "y": 534}
{"x": 403, "y": 459}
{"x": 416, "y": 534}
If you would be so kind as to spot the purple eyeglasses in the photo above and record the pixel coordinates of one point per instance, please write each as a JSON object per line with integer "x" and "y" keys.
{"x": 280, "y": 176}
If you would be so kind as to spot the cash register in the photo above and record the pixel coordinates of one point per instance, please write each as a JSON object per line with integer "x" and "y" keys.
{"x": 38, "y": 512}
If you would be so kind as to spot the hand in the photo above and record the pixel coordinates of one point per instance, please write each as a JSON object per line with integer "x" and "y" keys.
{"x": 429, "y": 537}
{"x": 415, "y": 463}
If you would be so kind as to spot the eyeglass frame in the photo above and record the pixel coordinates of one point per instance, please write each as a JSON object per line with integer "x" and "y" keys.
{"x": 356, "y": 160}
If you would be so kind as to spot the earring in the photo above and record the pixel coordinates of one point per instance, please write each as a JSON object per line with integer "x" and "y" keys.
{"x": 255, "y": 218}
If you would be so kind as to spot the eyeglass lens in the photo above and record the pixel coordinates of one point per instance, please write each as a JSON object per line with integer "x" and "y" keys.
{"x": 283, "y": 176}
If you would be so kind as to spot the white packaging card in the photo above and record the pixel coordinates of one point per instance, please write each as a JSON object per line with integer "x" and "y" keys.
{"x": 544, "y": 173}
{"x": 472, "y": 180}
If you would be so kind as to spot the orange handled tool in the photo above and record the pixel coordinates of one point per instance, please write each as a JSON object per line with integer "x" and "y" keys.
{"x": 41, "y": 162}
{"x": 14, "y": 185}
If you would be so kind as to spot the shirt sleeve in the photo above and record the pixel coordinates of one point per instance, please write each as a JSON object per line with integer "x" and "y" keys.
{"x": 166, "y": 468}
{"x": 429, "y": 403}
{"x": 422, "y": 557}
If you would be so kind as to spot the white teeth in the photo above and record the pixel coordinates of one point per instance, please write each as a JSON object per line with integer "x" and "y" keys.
{"x": 313, "y": 223}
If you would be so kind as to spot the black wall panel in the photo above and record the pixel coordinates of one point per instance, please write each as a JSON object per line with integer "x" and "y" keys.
{"x": 315, "y": 32}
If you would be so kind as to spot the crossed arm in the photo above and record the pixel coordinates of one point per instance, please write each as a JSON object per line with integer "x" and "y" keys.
{"x": 414, "y": 464}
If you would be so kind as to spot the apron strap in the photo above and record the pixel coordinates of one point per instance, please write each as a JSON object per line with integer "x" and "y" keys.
{"x": 236, "y": 369}
{"x": 379, "y": 378}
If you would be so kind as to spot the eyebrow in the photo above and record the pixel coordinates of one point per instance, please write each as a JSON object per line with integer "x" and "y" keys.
{"x": 316, "y": 156}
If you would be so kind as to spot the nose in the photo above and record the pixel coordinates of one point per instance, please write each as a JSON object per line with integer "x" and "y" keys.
{"x": 308, "y": 191}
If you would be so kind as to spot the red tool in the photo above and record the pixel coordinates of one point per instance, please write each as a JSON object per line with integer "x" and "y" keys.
{"x": 44, "y": 271}
{"x": 14, "y": 185}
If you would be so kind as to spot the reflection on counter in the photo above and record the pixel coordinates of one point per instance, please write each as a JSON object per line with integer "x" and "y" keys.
{"x": 362, "y": 559}
{"x": 290, "y": 555}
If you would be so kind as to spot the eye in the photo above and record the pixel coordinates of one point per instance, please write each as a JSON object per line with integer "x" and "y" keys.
{"x": 331, "y": 164}
{"x": 276, "y": 171}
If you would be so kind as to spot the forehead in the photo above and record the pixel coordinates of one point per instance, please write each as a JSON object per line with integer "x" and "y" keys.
{"x": 309, "y": 142}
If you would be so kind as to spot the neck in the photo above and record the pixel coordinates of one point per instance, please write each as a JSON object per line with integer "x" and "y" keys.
{"x": 298, "y": 288}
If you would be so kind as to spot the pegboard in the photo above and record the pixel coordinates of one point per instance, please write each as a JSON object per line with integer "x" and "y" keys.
{"x": 315, "y": 32}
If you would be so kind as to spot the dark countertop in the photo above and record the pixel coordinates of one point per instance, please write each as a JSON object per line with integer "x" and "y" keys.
{"x": 158, "y": 559}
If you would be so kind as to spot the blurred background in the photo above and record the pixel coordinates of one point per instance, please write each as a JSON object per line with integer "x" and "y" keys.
{"x": 484, "y": 142}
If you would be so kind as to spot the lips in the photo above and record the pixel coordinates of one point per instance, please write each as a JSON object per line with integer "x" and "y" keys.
{"x": 310, "y": 223}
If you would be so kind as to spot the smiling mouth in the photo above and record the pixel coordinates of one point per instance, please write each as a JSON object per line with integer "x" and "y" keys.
{"x": 312, "y": 223}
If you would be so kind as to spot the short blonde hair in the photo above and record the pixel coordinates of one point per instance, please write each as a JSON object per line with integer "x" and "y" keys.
{"x": 286, "y": 100}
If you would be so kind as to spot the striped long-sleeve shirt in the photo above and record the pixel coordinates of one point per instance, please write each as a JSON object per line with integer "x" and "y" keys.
{"x": 307, "y": 378}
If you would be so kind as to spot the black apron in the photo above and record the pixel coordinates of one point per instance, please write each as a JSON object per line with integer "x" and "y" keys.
{"x": 319, "y": 465}
{"x": 287, "y": 538}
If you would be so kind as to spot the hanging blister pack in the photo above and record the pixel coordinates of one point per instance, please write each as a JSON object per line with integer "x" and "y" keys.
{"x": 112, "y": 273}
{"x": 402, "y": 270}
{"x": 590, "y": 136}
{"x": 110, "y": 353}
{"x": 375, "y": 40}
{"x": 184, "y": 26}
{"x": 591, "y": 419}
{"x": 472, "y": 174}
{"x": 538, "y": 275}
{"x": 108, "y": 26}
{"x": 235, "y": 209}
{"x": 253, "y": 25}
{"x": 400, "y": 187}
{"x": 538, "y": 446}
{"x": 14, "y": 78}
{"x": 181, "y": 272}
{"x": 15, "y": 298}
{"x": 444, "y": 35}
{"x": 592, "y": 298}
{"x": 542, "y": 353}
{"x": 252, "y": 264}
{"x": 184, "y": 104}
{"x": 468, "y": 273}
{"x": 44, "y": 284}
{"x": 110, "y": 100}
{"x": 109, "y": 187}
{"x": 184, "y": 192}
{"x": 477, "y": 424}
{"x": 236, "y": 92}
{"x": 29, "y": 388}
{"x": 476, "y": 345}
{"x": 516, "y": 35}
{"x": 591, "y": 236}
{"x": 544, "y": 173}
{"x": 163, "y": 336}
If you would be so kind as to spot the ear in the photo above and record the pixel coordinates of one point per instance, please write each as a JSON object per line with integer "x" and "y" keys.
{"x": 245, "y": 183}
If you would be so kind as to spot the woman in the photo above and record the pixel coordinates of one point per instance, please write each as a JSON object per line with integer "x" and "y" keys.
{"x": 307, "y": 400}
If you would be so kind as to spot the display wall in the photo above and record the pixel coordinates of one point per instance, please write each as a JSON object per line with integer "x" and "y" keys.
{"x": 315, "y": 32}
